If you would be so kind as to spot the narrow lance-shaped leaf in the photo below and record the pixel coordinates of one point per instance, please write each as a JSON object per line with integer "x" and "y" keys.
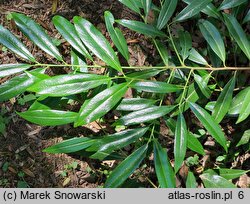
{"x": 223, "y": 103}
{"x": 100, "y": 104}
{"x": 237, "y": 33}
{"x": 64, "y": 85}
{"x": 245, "y": 108}
{"x": 142, "y": 28}
{"x": 36, "y": 34}
{"x": 227, "y": 4}
{"x": 105, "y": 146}
{"x": 126, "y": 168}
{"x": 192, "y": 9}
{"x": 49, "y": 117}
{"x": 78, "y": 64}
{"x": 167, "y": 10}
{"x": 96, "y": 42}
{"x": 163, "y": 168}
{"x": 144, "y": 115}
{"x": 213, "y": 38}
{"x": 191, "y": 181}
{"x": 116, "y": 35}
{"x": 71, "y": 145}
{"x": 180, "y": 142}
{"x": 9, "y": 69}
{"x": 135, "y": 104}
{"x": 67, "y": 30}
{"x": 14, "y": 44}
{"x": 209, "y": 123}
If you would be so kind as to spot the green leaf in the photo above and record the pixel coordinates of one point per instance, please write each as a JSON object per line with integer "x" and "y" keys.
{"x": 167, "y": 10}
{"x": 131, "y": 4}
{"x": 126, "y": 168}
{"x": 180, "y": 142}
{"x": 194, "y": 144}
{"x": 196, "y": 57}
{"x": 247, "y": 17}
{"x": 191, "y": 181}
{"x": 215, "y": 181}
{"x": 244, "y": 139}
{"x": 100, "y": 104}
{"x": 96, "y": 42}
{"x": 49, "y": 117}
{"x": 192, "y": 9}
{"x": 78, "y": 64}
{"x": 135, "y": 104}
{"x": 185, "y": 44}
{"x": 64, "y": 85}
{"x": 163, "y": 168}
{"x": 163, "y": 51}
{"x": 14, "y": 44}
{"x": 155, "y": 87}
{"x": 237, "y": 33}
{"x": 36, "y": 34}
{"x": 209, "y": 123}
{"x": 71, "y": 145}
{"x": 231, "y": 173}
{"x": 17, "y": 85}
{"x": 116, "y": 35}
{"x": 227, "y": 4}
{"x": 146, "y": 6}
{"x": 238, "y": 101}
{"x": 213, "y": 38}
{"x": 144, "y": 115}
{"x": 245, "y": 108}
{"x": 223, "y": 103}
{"x": 142, "y": 28}
{"x": 108, "y": 144}
{"x": 9, "y": 69}
{"x": 67, "y": 30}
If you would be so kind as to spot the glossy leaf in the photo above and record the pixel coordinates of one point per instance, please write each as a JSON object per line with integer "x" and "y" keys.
{"x": 244, "y": 139}
{"x": 215, "y": 181}
{"x": 185, "y": 44}
{"x": 9, "y": 69}
{"x": 209, "y": 123}
{"x": 70, "y": 145}
{"x": 180, "y": 142}
{"x": 36, "y": 34}
{"x": 144, "y": 115}
{"x": 163, "y": 168}
{"x": 231, "y": 173}
{"x": 17, "y": 85}
{"x": 116, "y": 35}
{"x": 163, "y": 51}
{"x": 191, "y": 181}
{"x": 135, "y": 104}
{"x": 64, "y": 85}
{"x": 223, "y": 102}
{"x": 14, "y": 44}
{"x": 100, "y": 104}
{"x": 196, "y": 57}
{"x": 106, "y": 145}
{"x": 245, "y": 108}
{"x": 227, "y": 4}
{"x": 126, "y": 168}
{"x": 96, "y": 42}
{"x": 78, "y": 64}
{"x": 194, "y": 144}
{"x": 146, "y": 6}
{"x": 49, "y": 117}
{"x": 192, "y": 9}
{"x": 167, "y": 10}
{"x": 237, "y": 33}
{"x": 131, "y": 4}
{"x": 213, "y": 38}
{"x": 142, "y": 28}
{"x": 67, "y": 30}
{"x": 155, "y": 87}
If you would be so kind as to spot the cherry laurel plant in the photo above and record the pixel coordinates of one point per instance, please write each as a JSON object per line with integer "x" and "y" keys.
{"x": 186, "y": 91}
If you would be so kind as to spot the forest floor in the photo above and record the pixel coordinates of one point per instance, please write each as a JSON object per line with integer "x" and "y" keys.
{"x": 22, "y": 162}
